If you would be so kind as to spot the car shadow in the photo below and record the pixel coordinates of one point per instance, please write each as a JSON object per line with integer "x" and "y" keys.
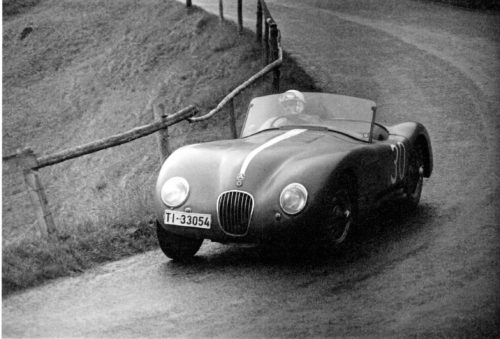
{"x": 386, "y": 230}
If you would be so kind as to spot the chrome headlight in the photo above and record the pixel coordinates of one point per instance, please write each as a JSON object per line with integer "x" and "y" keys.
{"x": 293, "y": 198}
{"x": 174, "y": 191}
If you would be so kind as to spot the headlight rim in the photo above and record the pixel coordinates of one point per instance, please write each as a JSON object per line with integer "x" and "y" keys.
{"x": 186, "y": 186}
{"x": 302, "y": 189}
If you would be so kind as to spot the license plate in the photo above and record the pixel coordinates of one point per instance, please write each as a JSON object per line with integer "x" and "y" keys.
{"x": 178, "y": 218}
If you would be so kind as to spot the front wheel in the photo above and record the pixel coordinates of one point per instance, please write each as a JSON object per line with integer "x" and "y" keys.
{"x": 341, "y": 213}
{"x": 176, "y": 246}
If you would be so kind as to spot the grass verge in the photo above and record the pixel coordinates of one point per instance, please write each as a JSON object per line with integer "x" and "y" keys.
{"x": 88, "y": 81}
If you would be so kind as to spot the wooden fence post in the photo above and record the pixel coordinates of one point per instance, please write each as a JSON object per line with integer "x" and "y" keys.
{"x": 275, "y": 55}
{"x": 266, "y": 41}
{"x": 221, "y": 10}
{"x": 37, "y": 194}
{"x": 240, "y": 16}
{"x": 232, "y": 119}
{"x": 258, "y": 28}
{"x": 162, "y": 135}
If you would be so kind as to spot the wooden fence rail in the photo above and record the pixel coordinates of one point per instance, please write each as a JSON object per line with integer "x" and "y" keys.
{"x": 116, "y": 140}
{"x": 30, "y": 163}
{"x": 273, "y": 50}
{"x": 272, "y": 66}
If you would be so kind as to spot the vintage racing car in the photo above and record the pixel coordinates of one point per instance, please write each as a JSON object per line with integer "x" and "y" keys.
{"x": 305, "y": 165}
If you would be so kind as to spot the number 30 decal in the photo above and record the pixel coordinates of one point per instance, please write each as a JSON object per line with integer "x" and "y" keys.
{"x": 399, "y": 159}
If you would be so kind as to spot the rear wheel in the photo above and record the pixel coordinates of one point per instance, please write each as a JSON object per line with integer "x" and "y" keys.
{"x": 176, "y": 246}
{"x": 415, "y": 178}
{"x": 341, "y": 213}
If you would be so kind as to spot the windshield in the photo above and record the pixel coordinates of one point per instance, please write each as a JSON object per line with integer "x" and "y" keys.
{"x": 344, "y": 114}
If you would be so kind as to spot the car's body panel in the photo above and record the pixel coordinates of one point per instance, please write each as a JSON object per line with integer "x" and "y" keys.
{"x": 312, "y": 158}
{"x": 264, "y": 163}
{"x": 416, "y": 132}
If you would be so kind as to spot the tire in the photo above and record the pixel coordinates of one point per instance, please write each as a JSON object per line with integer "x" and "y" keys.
{"x": 415, "y": 178}
{"x": 176, "y": 246}
{"x": 341, "y": 214}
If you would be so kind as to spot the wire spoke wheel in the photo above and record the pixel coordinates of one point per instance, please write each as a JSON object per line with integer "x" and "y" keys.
{"x": 340, "y": 217}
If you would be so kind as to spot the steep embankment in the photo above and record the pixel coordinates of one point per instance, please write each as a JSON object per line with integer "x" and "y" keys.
{"x": 87, "y": 70}
{"x": 76, "y": 71}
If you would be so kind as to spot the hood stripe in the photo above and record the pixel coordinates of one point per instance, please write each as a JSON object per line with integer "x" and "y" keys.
{"x": 267, "y": 144}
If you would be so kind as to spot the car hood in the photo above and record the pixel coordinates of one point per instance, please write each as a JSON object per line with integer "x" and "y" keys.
{"x": 258, "y": 162}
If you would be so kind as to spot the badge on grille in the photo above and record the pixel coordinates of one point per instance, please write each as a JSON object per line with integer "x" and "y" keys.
{"x": 239, "y": 179}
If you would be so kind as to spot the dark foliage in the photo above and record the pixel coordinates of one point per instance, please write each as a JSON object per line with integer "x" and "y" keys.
{"x": 14, "y": 7}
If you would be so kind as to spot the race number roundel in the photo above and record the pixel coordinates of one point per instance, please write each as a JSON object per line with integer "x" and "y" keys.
{"x": 399, "y": 162}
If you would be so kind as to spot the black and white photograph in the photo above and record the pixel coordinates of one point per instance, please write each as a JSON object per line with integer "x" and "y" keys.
{"x": 250, "y": 168}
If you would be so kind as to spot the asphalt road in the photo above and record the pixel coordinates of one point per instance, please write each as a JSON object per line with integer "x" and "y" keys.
{"x": 435, "y": 272}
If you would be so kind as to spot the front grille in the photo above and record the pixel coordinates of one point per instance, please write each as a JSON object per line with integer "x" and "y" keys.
{"x": 234, "y": 210}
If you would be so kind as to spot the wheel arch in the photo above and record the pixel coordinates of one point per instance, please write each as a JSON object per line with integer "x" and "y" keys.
{"x": 423, "y": 143}
{"x": 349, "y": 173}
{"x": 418, "y": 136}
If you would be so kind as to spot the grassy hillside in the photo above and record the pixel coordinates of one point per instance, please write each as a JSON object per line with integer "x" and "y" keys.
{"x": 75, "y": 71}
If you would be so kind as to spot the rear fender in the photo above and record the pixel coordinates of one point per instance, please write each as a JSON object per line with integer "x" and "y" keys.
{"x": 416, "y": 134}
